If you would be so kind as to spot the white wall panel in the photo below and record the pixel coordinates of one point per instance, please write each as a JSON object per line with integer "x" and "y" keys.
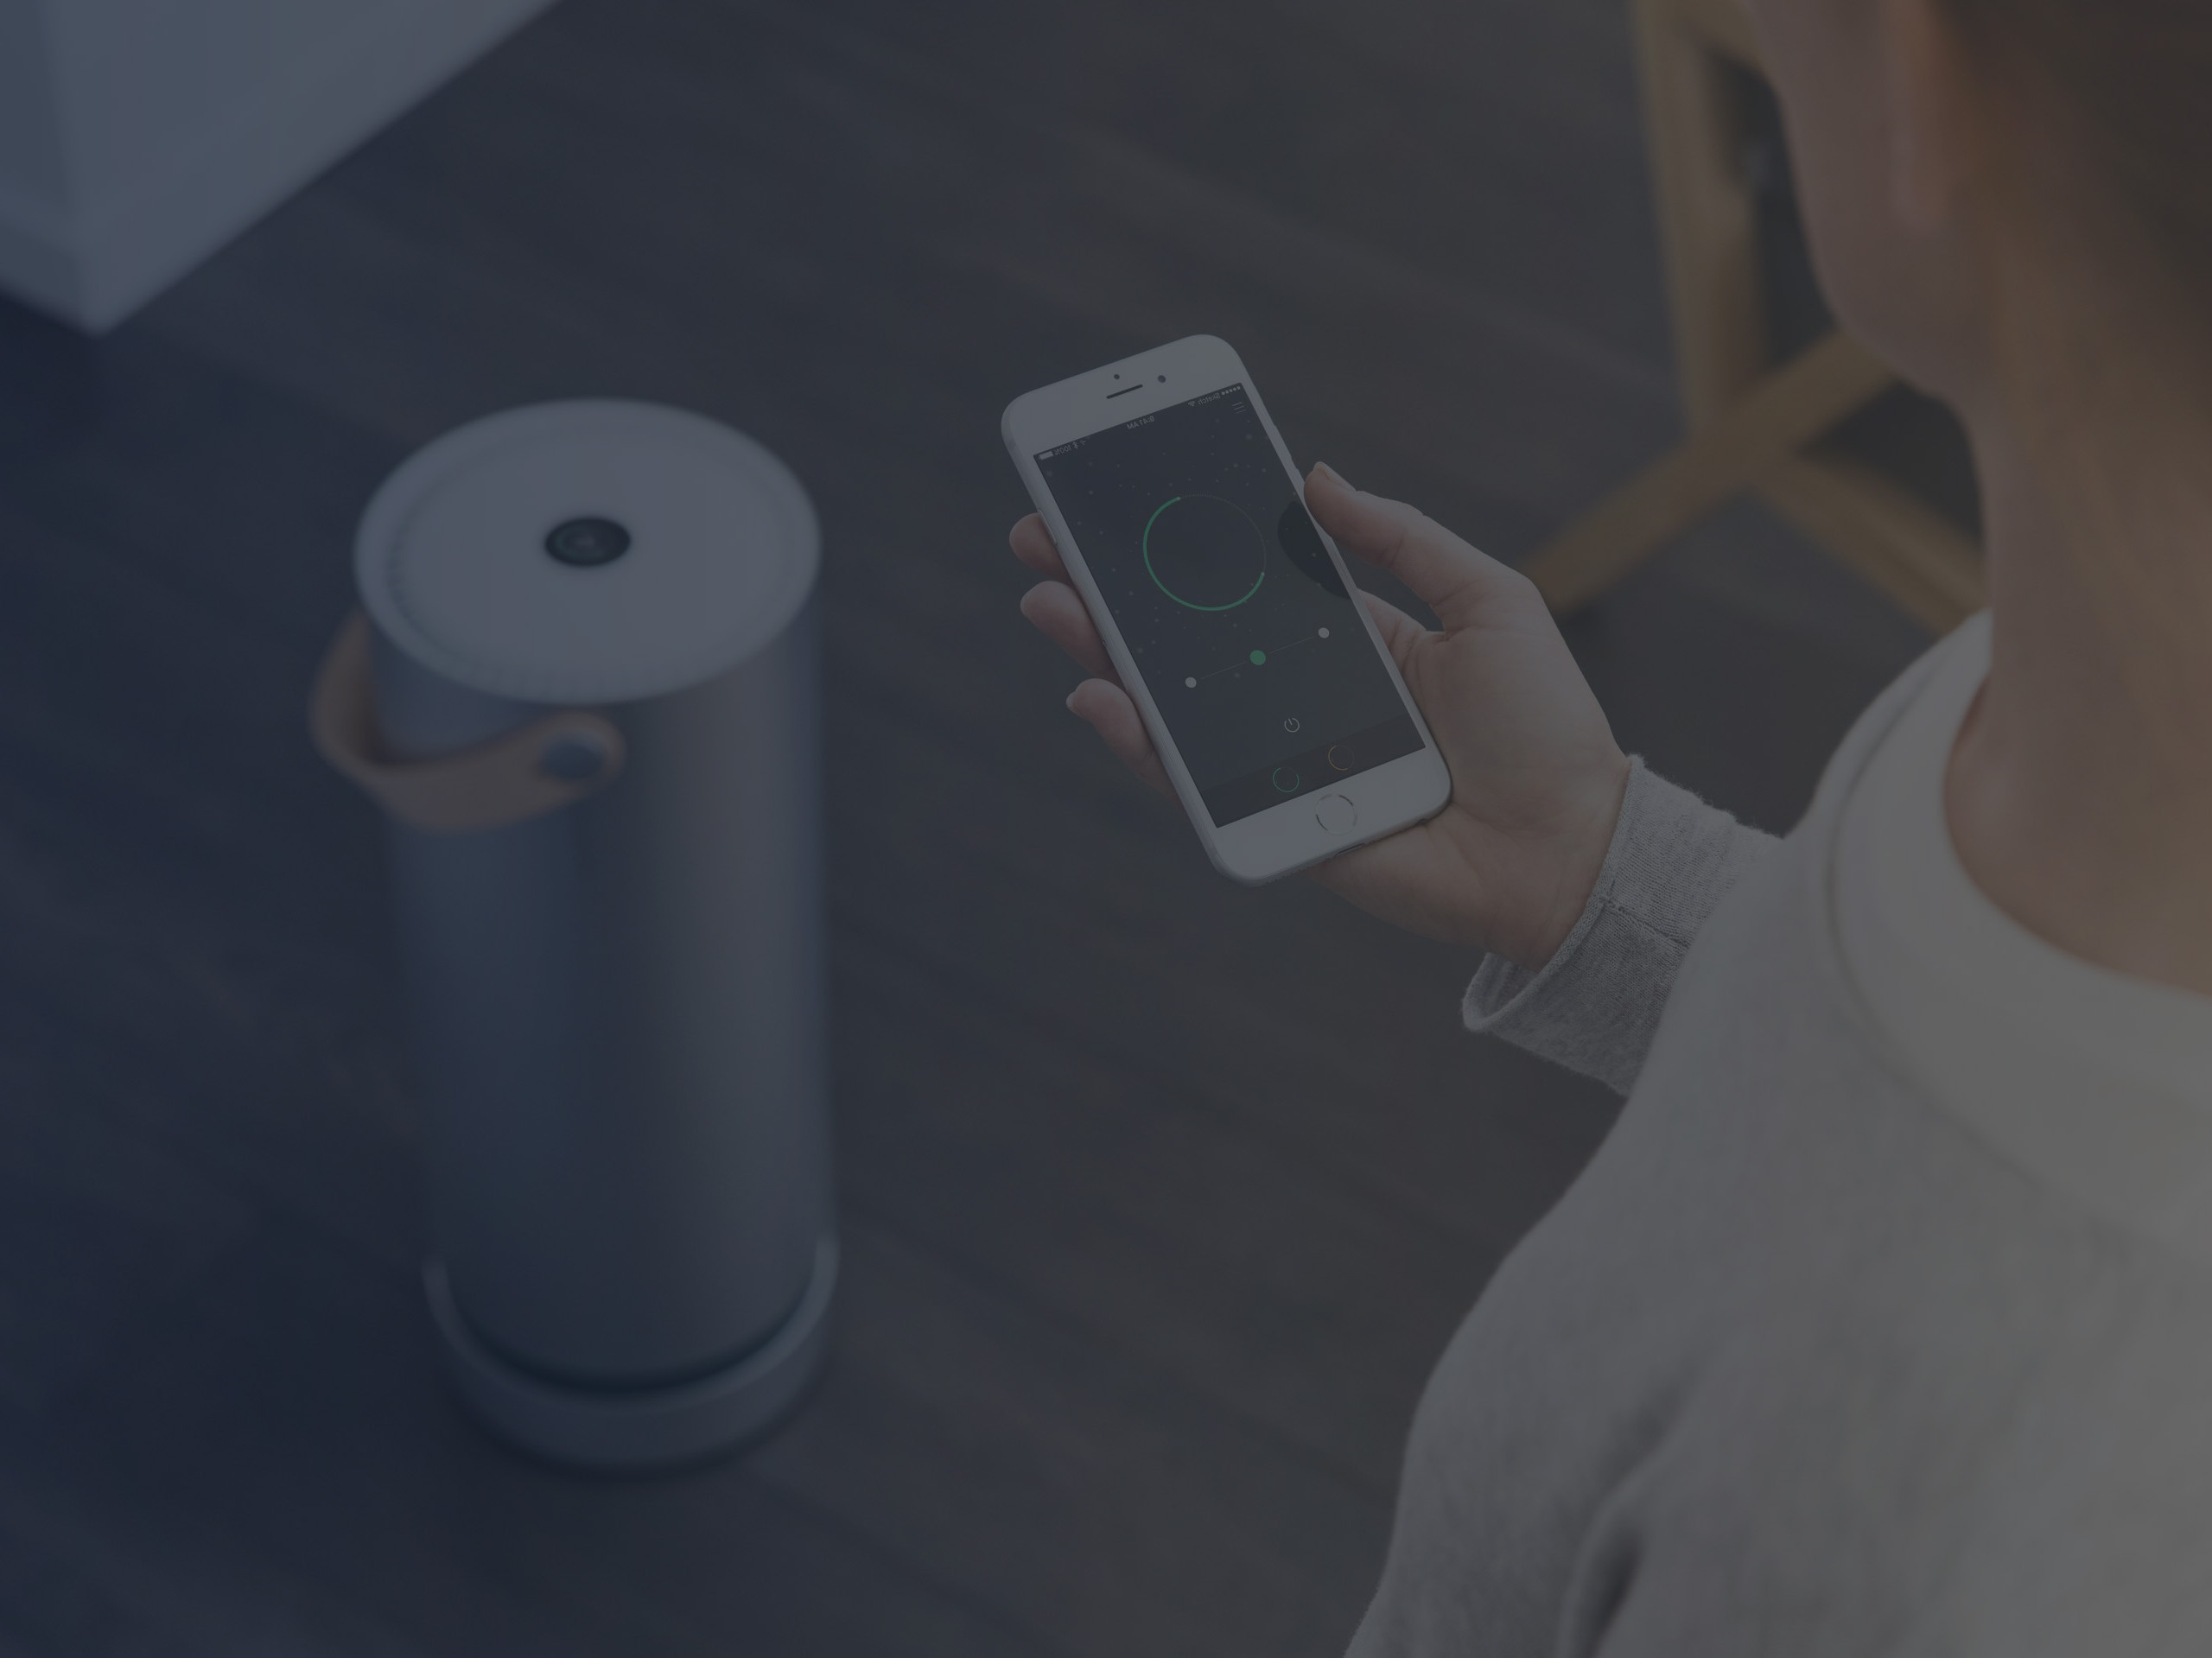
{"x": 137, "y": 136}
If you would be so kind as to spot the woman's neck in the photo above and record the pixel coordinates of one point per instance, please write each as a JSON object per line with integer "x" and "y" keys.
{"x": 2080, "y": 790}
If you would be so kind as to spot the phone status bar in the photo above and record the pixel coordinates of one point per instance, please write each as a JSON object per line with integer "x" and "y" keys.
{"x": 1236, "y": 391}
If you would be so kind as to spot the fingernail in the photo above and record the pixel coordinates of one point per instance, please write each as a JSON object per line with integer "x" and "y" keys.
{"x": 1072, "y": 704}
{"x": 1333, "y": 474}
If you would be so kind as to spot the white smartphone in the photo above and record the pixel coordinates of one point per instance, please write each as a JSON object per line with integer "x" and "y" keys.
{"x": 1229, "y": 614}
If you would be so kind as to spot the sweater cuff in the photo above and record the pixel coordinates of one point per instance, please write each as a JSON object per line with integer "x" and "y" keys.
{"x": 1596, "y": 1004}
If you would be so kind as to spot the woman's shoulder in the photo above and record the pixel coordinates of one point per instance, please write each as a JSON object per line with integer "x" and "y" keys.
{"x": 1765, "y": 978}
{"x": 1969, "y": 638}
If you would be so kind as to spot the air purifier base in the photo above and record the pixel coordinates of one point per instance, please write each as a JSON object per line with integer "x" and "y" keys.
{"x": 645, "y": 1430}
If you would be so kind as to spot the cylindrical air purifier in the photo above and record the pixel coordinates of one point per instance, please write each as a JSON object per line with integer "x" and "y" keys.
{"x": 585, "y": 693}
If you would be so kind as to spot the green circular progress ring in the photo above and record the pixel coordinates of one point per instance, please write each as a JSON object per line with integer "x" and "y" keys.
{"x": 1178, "y": 597}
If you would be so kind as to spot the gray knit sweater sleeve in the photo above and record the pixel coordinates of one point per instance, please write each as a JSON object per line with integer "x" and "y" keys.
{"x": 1595, "y": 1004}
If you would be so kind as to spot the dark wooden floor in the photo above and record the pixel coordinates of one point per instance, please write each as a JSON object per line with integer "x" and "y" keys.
{"x": 1160, "y": 1196}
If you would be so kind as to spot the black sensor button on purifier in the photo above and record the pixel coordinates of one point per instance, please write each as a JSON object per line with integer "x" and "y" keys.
{"x": 587, "y": 541}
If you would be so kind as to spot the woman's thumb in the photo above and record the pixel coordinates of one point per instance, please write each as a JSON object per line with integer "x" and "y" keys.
{"x": 1449, "y": 576}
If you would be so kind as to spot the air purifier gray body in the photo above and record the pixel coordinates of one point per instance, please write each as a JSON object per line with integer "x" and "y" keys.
{"x": 617, "y": 1007}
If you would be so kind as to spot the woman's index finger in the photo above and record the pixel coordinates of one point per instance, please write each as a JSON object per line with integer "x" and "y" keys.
{"x": 1032, "y": 544}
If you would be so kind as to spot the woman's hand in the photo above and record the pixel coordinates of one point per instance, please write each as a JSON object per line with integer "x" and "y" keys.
{"x": 1536, "y": 777}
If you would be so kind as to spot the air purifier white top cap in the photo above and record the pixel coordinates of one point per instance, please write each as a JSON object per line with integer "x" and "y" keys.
{"x": 594, "y": 551}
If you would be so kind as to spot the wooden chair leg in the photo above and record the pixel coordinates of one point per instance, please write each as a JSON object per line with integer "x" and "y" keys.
{"x": 1687, "y": 61}
{"x": 1753, "y": 427}
{"x": 1928, "y": 566}
{"x": 1792, "y": 407}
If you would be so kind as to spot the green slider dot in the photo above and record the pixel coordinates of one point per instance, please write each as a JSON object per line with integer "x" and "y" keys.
{"x": 1258, "y": 656}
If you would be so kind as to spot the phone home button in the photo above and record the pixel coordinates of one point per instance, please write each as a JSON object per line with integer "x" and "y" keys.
{"x": 1335, "y": 813}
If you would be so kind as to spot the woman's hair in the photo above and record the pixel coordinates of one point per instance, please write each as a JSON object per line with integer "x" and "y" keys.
{"x": 2136, "y": 76}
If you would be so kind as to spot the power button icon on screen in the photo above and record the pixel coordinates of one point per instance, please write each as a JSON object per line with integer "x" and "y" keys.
{"x": 1291, "y": 724}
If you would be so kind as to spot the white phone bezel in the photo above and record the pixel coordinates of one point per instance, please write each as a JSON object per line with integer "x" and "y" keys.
{"x": 1284, "y": 838}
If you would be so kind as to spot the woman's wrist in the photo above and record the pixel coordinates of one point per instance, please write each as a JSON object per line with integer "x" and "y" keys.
{"x": 1571, "y": 860}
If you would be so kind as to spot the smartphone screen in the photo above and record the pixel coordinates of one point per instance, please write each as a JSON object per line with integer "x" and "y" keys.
{"x": 1252, "y": 649}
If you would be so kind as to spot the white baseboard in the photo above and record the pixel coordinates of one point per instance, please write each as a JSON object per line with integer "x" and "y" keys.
{"x": 94, "y": 265}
